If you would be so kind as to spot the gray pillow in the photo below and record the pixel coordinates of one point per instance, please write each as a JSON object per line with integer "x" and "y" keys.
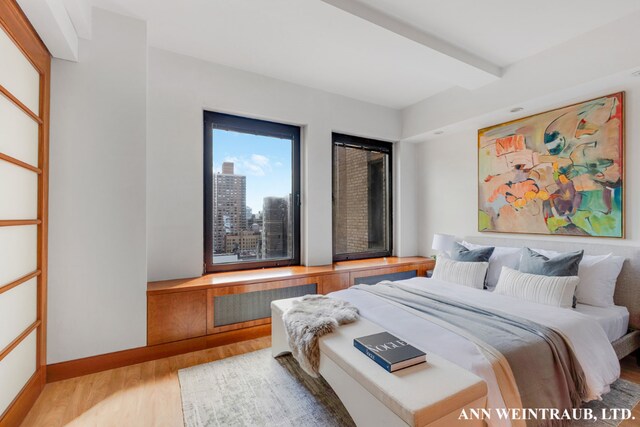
{"x": 563, "y": 265}
{"x": 462, "y": 253}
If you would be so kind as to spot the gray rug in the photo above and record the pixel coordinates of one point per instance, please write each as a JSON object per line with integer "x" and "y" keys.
{"x": 254, "y": 389}
{"x": 623, "y": 395}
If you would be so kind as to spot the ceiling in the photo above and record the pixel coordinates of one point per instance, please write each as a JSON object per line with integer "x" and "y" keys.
{"x": 506, "y": 31}
{"x": 389, "y": 52}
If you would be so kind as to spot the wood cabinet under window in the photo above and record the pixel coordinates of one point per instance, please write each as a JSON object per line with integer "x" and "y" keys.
{"x": 223, "y": 302}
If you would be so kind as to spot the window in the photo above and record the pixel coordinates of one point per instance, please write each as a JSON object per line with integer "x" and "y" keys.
{"x": 251, "y": 193}
{"x": 361, "y": 198}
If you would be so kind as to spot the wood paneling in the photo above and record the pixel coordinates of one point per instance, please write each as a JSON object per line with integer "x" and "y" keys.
{"x": 333, "y": 282}
{"x": 212, "y": 329}
{"x": 172, "y": 317}
{"x": 262, "y": 286}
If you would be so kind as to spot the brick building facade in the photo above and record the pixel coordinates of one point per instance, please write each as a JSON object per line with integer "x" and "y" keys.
{"x": 359, "y": 182}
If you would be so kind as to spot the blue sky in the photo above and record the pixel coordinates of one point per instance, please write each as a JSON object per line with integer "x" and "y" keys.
{"x": 265, "y": 161}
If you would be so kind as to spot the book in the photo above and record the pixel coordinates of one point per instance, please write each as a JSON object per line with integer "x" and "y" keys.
{"x": 389, "y": 351}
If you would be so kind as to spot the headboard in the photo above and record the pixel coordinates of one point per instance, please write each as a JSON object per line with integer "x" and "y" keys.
{"x": 628, "y": 287}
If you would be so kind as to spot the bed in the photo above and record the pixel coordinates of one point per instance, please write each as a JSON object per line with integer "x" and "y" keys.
{"x": 599, "y": 336}
{"x": 627, "y": 294}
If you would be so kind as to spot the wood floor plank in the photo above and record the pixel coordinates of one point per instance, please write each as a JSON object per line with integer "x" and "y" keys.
{"x": 148, "y": 394}
{"x": 631, "y": 372}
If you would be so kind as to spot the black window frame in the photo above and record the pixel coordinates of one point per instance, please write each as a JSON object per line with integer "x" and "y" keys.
{"x": 257, "y": 127}
{"x": 385, "y": 147}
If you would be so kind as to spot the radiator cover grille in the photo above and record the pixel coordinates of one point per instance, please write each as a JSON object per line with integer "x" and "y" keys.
{"x": 238, "y": 308}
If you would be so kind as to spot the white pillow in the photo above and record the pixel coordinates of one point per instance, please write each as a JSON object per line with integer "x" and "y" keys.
{"x": 598, "y": 275}
{"x": 549, "y": 290}
{"x": 502, "y": 256}
{"x": 463, "y": 273}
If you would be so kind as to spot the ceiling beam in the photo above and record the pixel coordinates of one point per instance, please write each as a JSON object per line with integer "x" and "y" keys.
{"x": 461, "y": 67}
{"x": 53, "y": 25}
{"x": 80, "y": 13}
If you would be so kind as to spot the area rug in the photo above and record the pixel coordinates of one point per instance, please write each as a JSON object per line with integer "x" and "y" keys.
{"x": 623, "y": 395}
{"x": 254, "y": 389}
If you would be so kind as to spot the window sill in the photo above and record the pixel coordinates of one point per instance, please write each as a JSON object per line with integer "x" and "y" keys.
{"x": 243, "y": 277}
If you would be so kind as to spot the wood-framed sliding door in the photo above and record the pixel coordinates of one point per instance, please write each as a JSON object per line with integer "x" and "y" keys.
{"x": 24, "y": 133}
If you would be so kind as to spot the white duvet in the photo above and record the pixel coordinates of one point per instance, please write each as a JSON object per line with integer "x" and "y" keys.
{"x": 587, "y": 338}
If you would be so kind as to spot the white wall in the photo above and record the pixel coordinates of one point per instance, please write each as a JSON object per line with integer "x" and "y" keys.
{"x": 97, "y": 233}
{"x": 180, "y": 88}
{"x": 448, "y": 203}
{"x": 126, "y": 185}
{"x": 406, "y": 196}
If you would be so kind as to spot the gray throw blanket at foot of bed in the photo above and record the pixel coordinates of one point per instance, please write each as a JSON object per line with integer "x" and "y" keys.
{"x": 307, "y": 320}
{"x": 546, "y": 371}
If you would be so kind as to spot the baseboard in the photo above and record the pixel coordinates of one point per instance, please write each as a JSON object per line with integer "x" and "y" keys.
{"x": 89, "y": 365}
{"x": 19, "y": 408}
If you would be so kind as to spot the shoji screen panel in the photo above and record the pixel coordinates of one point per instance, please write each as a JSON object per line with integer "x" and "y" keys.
{"x": 18, "y": 255}
{"x": 24, "y": 116}
{"x": 18, "y": 133}
{"x": 18, "y": 76}
{"x": 18, "y": 192}
{"x": 17, "y": 368}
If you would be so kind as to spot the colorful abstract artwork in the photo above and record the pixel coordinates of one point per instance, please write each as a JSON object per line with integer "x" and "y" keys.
{"x": 559, "y": 172}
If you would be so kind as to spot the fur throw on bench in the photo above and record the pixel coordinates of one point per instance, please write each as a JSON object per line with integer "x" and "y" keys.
{"x": 307, "y": 320}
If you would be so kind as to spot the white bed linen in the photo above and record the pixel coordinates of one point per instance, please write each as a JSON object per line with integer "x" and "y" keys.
{"x": 614, "y": 320}
{"x": 589, "y": 341}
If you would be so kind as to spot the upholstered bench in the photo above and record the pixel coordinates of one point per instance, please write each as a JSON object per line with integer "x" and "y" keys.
{"x": 430, "y": 394}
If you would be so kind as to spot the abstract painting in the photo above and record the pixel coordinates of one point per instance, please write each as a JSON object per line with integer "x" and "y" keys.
{"x": 559, "y": 172}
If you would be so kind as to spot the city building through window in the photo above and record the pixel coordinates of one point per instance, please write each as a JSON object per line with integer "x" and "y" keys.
{"x": 362, "y": 215}
{"x": 252, "y": 193}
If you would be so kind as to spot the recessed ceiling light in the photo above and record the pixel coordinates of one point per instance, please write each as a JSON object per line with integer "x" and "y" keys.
{"x": 516, "y": 109}
{"x": 439, "y": 132}
{"x": 636, "y": 73}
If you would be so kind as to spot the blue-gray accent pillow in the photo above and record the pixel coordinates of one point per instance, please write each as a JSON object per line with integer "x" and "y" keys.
{"x": 562, "y": 265}
{"x": 462, "y": 253}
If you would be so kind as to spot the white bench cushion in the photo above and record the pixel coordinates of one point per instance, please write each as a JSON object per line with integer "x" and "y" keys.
{"x": 419, "y": 395}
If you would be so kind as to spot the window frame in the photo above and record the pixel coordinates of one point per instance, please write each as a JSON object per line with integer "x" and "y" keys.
{"x": 248, "y": 125}
{"x": 369, "y": 145}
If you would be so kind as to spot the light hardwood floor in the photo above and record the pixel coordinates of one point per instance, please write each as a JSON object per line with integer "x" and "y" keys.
{"x": 631, "y": 372}
{"x": 148, "y": 394}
